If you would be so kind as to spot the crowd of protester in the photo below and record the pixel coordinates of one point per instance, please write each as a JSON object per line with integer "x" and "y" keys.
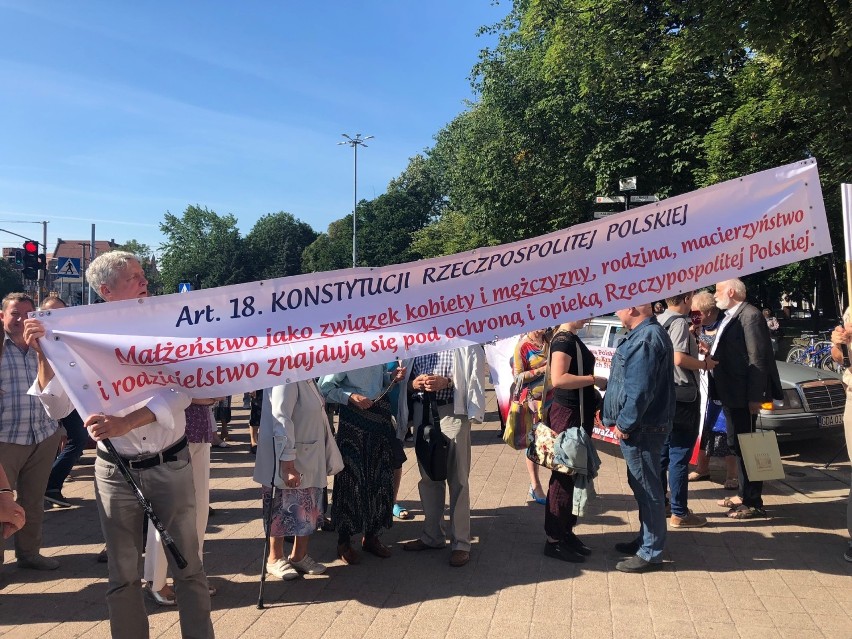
{"x": 692, "y": 374}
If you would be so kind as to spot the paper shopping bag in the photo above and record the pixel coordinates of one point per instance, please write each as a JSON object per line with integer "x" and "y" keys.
{"x": 761, "y": 456}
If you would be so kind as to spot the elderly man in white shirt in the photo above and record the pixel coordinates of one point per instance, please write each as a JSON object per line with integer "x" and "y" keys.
{"x": 150, "y": 437}
{"x": 456, "y": 378}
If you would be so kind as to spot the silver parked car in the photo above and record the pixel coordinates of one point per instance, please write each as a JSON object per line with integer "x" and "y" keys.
{"x": 813, "y": 402}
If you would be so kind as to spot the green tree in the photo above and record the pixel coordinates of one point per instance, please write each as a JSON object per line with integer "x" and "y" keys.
{"x": 767, "y": 126}
{"x": 137, "y": 248}
{"x": 331, "y": 250}
{"x": 806, "y": 50}
{"x": 513, "y": 161}
{"x": 275, "y": 244}
{"x": 10, "y": 279}
{"x": 389, "y": 221}
{"x": 452, "y": 232}
{"x": 202, "y": 247}
{"x": 575, "y": 96}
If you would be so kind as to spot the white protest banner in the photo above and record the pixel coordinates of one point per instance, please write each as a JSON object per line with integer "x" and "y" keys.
{"x": 248, "y": 336}
{"x": 499, "y": 358}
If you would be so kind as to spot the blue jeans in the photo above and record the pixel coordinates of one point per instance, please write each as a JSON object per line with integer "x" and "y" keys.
{"x": 642, "y": 452}
{"x": 675, "y": 459}
{"x": 78, "y": 436}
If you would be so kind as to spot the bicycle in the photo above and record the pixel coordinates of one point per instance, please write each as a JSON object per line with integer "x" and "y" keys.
{"x": 813, "y": 352}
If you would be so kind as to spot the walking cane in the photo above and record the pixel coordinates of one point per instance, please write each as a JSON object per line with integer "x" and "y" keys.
{"x": 165, "y": 537}
{"x": 267, "y": 529}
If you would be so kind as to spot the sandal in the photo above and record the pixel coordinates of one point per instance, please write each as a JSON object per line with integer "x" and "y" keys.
{"x": 727, "y": 502}
{"x": 746, "y": 512}
{"x": 536, "y": 498}
{"x": 400, "y": 512}
{"x": 696, "y": 476}
{"x": 732, "y": 484}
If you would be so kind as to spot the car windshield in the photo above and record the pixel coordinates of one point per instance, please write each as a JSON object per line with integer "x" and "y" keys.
{"x": 592, "y": 334}
{"x": 616, "y": 336}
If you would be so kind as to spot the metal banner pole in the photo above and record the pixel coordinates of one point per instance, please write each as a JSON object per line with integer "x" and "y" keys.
{"x": 846, "y": 196}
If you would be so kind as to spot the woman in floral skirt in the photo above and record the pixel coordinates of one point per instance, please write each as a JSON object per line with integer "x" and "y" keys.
{"x": 294, "y": 446}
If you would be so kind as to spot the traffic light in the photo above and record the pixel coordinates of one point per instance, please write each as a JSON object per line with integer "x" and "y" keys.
{"x": 30, "y": 271}
{"x": 19, "y": 258}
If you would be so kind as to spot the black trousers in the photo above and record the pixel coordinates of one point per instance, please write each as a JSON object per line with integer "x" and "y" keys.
{"x": 741, "y": 420}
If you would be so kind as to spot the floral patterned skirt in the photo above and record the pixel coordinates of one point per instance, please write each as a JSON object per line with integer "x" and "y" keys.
{"x": 362, "y": 500}
{"x": 295, "y": 511}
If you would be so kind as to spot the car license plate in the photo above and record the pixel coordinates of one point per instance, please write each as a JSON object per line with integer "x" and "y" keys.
{"x": 826, "y": 421}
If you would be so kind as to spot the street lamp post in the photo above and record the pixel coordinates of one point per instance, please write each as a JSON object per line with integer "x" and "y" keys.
{"x": 355, "y": 143}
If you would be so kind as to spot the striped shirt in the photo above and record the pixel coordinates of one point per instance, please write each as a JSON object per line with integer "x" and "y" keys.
{"x": 440, "y": 364}
{"x": 22, "y": 417}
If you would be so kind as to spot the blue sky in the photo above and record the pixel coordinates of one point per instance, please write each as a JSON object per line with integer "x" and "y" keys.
{"x": 115, "y": 112}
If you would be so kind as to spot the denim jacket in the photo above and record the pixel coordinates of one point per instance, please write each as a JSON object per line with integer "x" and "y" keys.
{"x": 574, "y": 448}
{"x": 640, "y": 394}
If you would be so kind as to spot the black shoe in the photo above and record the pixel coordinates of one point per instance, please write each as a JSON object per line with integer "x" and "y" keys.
{"x": 253, "y": 450}
{"x": 573, "y": 542}
{"x": 409, "y": 435}
{"x": 628, "y": 547}
{"x": 561, "y": 551}
{"x": 55, "y": 498}
{"x": 637, "y": 564}
{"x": 848, "y": 554}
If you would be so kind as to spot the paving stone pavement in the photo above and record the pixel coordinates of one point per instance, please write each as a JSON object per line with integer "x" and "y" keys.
{"x": 780, "y": 577}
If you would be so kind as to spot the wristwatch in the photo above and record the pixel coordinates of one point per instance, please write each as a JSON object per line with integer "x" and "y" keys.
{"x": 450, "y": 385}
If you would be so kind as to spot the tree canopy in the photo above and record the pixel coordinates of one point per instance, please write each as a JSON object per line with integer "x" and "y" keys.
{"x": 275, "y": 244}
{"x": 203, "y": 248}
{"x": 575, "y": 95}
{"x": 10, "y": 279}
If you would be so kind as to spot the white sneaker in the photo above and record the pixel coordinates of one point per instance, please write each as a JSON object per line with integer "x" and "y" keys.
{"x": 282, "y": 569}
{"x": 307, "y": 565}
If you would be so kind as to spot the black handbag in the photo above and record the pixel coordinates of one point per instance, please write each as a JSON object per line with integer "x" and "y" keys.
{"x": 684, "y": 393}
{"x": 431, "y": 446}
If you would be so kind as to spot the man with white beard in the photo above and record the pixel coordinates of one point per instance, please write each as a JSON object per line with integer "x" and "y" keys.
{"x": 745, "y": 377}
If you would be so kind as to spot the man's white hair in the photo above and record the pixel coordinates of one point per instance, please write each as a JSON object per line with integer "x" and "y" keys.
{"x": 737, "y": 286}
{"x": 105, "y": 267}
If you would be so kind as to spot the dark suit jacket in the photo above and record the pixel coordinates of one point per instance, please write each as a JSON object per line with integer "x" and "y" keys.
{"x": 746, "y": 371}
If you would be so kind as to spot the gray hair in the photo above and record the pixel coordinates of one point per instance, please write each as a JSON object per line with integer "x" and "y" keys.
{"x": 703, "y": 301}
{"x": 105, "y": 267}
{"x": 737, "y": 286}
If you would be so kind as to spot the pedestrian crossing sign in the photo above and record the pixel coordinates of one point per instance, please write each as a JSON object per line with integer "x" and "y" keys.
{"x": 68, "y": 267}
